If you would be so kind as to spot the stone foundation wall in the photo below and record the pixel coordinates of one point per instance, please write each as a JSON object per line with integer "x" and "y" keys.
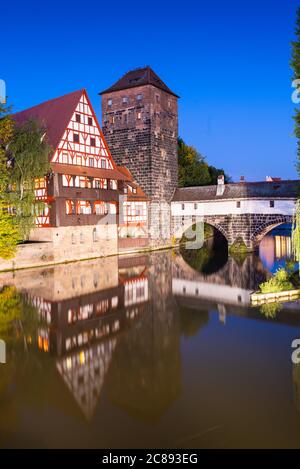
{"x": 63, "y": 244}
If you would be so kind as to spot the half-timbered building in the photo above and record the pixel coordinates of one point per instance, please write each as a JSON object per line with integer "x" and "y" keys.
{"x": 84, "y": 186}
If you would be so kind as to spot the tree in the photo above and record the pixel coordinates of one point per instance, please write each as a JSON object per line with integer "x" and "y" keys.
{"x": 9, "y": 233}
{"x": 295, "y": 64}
{"x": 193, "y": 169}
{"x": 29, "y": 158}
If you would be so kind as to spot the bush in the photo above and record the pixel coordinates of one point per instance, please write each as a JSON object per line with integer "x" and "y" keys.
{"x": 279, "y": 282}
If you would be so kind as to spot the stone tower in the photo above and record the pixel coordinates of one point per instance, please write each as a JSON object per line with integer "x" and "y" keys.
{"x": 140, "y": 124}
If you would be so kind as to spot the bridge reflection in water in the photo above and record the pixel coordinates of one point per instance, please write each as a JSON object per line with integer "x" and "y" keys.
{"x": 131, "y": 352}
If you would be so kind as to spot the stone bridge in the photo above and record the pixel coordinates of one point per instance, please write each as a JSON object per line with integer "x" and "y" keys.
{"x": 240, "y": 211}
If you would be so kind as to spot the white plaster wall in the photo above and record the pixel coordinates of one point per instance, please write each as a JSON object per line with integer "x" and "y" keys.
{"x": 226, "y": 207}
{"x": 211, "y": 291}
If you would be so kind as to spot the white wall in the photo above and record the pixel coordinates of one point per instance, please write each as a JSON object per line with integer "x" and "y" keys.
{"x": 225, "y": 207}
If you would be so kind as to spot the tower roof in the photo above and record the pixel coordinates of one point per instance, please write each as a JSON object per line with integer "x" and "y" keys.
{"x": 139, "y": 77}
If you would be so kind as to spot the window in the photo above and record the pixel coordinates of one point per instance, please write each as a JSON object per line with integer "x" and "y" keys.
{"x": 76, "y": 138}
{"x": 70, "y": 207}
{"x": 77, "y": 117}
{"x": 125, "y": 190}
{"x": 91, "y": 162}
{"x": 109, "y": 103}
{"x": 67, "y": 180}
{"x": 95, "y": 239}
{"x": 73, "y": 240}
{"x": 85, "y": 182}
{"x": 100, "y": 207}
{"x": 81, "y": 241}
{"x": 139, "y": 97}
{"x": 238, "y": 204}
{"x": 195, "y": 206}
{"x": 139, "y": 115}
{"x": 272, "y": 203}
{"x": 157, "y": 98}
{"x": 125, "y": 100}
{"x": 90, "y": 121}
{"x": 103, "y": 164}
{"x": 193, "y": 219}
{"x": 182, "y": 206}
{"x": 100, "y": 183}
{"x": 169, "y": 104}
{"x": 93, "y": 142}
{"x": 78, "y": 160}
{"x": 113, "y": 184}
{"x": 134, "y": 190}
{"x": 84, "y": 207}
{"x": 65, "y": 158}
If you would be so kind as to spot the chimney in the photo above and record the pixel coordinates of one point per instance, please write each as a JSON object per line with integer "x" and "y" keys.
{"x": 221, "y": 185}
{"x": 221, "y": 179}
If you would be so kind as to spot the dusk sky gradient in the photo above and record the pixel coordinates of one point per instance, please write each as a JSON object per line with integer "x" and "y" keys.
{"x": 228, "y": 61}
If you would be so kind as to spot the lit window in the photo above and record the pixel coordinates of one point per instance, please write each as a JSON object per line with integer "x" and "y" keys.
{"x": 134, "y": 190}
{"x": 272, "y": 203}
{"x": 113, "y": 184}
{"x": 76, "y": 138}
{"x": 109, "y": 102}
{"x": 70, "y": 207}
{"x": 84, "y": 207}
{"x": 78, "y": 118}
{"x": 91, "y": 161}
{"x": 93, "y": 142}
{"x": 139, "y": 115}
{"x": 100, "y": 208}
{"x": 90, "y": 121}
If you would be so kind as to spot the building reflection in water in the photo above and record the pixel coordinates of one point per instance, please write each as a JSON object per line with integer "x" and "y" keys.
{"x": 275, "y": 249}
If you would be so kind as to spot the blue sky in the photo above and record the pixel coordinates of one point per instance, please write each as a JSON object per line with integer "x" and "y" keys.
{"x": 228, "y": 60}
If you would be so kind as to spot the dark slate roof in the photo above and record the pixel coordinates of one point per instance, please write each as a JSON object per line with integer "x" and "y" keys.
{"x": 54, "y": 115}
{"x": 269, "y": 190}
{"x": 139, "y": 77}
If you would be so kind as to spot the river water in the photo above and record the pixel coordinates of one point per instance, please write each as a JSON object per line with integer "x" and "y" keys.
{"x": 157, "y": 350}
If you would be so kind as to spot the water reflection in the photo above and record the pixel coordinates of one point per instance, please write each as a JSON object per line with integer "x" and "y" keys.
{"x": 133, "y": 352}
{"x": 276, "y": 248}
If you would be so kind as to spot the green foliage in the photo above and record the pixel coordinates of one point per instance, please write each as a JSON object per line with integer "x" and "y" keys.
{"x": 295, "y": 64}
{"x": 193, "y": 169}
{"x": 9, "y": 232}
{"x": 17, "y": 316}
{"x": 238, "y": 247}
{"x": 270, "y": 310}
{"x": 278, "y": 282}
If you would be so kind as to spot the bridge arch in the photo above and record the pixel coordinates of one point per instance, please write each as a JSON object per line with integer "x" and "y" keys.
{"x": 264, "y": 228}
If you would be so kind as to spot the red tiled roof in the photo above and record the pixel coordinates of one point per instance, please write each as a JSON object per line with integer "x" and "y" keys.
{"x": 140, "y": 194}
{"x": 75, "y": 170}
{"x": 139, "y": 77}
{"x": 54, "y": 115}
